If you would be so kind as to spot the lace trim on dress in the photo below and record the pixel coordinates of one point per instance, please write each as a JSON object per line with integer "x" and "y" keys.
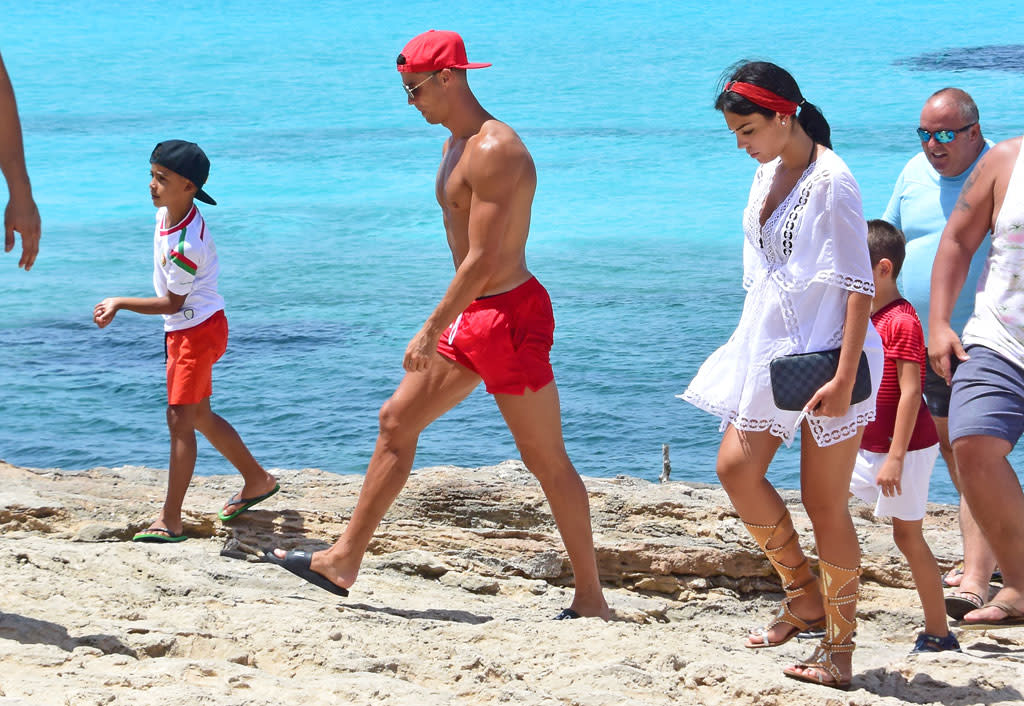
{"x": 822, "y": 436}
{"x": 732, "y": 416}
{"x": 792, "y": 216}
{"x": 850, "y": 282}
{"x": 828, "y": 437}
{"x": 789, "y": 227}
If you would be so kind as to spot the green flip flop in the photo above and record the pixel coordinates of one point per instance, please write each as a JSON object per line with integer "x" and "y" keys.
{"x": 158, "y": 535}
{"x": 246, "y": 504}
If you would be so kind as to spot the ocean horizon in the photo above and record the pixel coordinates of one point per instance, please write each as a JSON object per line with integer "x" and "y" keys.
{"x": 331, "y": 244}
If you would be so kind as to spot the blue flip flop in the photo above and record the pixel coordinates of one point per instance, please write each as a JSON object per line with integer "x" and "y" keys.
{"x": 158, "y": 535}
{"x": 298, "y": 563}
{"x": 246, "y": 504}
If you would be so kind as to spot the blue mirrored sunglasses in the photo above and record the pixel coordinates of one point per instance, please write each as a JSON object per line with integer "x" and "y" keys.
{"x": 943, "y": 136}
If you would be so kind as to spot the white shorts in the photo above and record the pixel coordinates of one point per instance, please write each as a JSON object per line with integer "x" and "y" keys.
{"x": 909, "y": 505}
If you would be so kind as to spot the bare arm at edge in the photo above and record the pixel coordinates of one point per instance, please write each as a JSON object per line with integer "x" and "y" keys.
{"x": 972, "y": 217}
{"x": 21, "y": 214}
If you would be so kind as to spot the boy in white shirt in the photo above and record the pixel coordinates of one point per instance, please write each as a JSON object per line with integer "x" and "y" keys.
{"x": 196, "y": 335}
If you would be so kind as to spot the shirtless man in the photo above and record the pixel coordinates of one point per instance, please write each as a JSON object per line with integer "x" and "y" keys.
{"x": 494, "y": 323}
{"x": 986, "y": 410}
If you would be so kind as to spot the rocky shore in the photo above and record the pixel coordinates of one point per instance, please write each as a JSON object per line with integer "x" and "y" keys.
{"x": 453, "y": 605}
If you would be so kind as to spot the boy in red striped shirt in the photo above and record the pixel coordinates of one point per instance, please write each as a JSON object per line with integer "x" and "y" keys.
{"x": 196, "y": 334}
{"x": 898, "y": 449}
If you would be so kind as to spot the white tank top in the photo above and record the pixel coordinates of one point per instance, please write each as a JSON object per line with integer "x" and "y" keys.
{"x": 998, "y": 320}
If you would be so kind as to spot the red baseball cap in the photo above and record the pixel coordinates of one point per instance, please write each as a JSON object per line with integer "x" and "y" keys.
{"x": 433, "y": 51}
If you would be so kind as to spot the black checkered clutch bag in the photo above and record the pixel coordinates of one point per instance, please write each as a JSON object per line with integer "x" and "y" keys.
{"x": 795, "y": 378}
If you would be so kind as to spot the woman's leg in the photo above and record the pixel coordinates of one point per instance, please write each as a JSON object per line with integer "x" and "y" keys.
{"x": 825, "y": 489}
{"x": 743, "y": 460}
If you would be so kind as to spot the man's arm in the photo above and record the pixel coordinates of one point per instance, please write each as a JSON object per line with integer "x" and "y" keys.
{"x": 21, "y": 213}
{"x": 495, "y": 168}
{"x": 104, "y": 312}
{"x": 964, "y": 232}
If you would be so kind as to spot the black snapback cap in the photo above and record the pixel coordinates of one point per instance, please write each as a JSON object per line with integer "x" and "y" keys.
{"x": 186, "y": 159}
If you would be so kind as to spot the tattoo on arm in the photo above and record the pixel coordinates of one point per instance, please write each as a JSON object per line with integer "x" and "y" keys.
{"x": 962, "y": 204}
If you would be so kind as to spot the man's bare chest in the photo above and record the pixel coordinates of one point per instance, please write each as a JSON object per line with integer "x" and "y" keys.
{"x": 453, "y": 188}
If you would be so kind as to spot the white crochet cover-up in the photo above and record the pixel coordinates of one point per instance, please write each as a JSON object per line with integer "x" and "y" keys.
{"x": 798, "y": 271}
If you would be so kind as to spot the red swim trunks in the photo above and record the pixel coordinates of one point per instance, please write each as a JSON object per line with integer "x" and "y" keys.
{"x": 191, "y": 353}
{"x": 505, "y": 339}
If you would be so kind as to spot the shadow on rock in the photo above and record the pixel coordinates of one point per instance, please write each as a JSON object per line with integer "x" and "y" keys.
{"x": 923, "y": 689}
{"x": 996, "y": 651}
{"x": 32, "y": 631}
{"x": 448, "y": 616}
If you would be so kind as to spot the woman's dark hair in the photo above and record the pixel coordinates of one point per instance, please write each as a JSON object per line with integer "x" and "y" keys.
{"x": 776, "y": 79}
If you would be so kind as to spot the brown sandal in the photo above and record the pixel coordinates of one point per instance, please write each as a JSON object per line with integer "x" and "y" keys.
{"x": 839, "y": 629}
{"x": 795, "y": 580}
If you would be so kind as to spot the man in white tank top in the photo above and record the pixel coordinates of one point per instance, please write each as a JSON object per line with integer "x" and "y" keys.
{"x": 986, "y": 415}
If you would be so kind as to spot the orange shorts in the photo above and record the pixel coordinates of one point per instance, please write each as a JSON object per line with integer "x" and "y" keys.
{"x": 191, "y": 353}
{"x": 505, "y": 339}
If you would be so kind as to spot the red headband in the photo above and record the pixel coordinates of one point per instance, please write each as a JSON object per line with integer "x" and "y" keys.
{"x": 763, "y": 97}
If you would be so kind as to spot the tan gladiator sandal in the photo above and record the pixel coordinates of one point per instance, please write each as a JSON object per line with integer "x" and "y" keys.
{"x": 839, "y": 631}
{"x": 795, "y": 580}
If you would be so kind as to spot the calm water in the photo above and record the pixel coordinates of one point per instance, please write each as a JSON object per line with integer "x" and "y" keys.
{"x": 331, "y": 245}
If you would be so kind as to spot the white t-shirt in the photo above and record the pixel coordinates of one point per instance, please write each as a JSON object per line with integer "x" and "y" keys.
{"x": 185, "y": 262}
{"x": 998, "y": 320}
{"x": 798, "y": 270}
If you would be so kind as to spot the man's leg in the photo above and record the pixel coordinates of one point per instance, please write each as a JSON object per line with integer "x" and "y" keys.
{"x": 979, "y": 561}
{"x": 977, "y": 554}
{"x": 421, "y": 398}
{"x": 181, "y": 422}
{"x": 535, "y": 420}
{"x": 223, "y": 437}
{"x": 988, "y": 481}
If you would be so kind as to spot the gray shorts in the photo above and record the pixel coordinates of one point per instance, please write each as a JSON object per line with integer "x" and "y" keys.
{"x": 988, "y": 397}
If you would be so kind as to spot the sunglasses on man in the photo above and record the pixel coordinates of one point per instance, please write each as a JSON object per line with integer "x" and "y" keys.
{"x": 942, "y": 136}
{"x": 411, "y": 90}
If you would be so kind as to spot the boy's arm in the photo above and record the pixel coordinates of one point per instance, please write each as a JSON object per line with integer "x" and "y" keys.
{"x": 104, "y": 312}
{"x": 890, "y": 474}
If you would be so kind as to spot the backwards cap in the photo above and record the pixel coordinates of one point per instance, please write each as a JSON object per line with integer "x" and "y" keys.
{"x": 433, "y": 51}
{"x": 186, "y": 159}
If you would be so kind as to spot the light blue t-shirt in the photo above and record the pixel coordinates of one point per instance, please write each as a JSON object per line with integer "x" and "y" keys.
{"x": 920, "y": 206}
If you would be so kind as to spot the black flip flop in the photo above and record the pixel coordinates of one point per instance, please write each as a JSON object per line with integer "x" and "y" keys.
{"x": 959, "y": 604}
{"x": 298, "y": 563}
{"x": 567, "y": 614}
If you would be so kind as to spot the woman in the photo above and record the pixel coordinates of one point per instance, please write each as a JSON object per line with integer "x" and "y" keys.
{"x": 807, "y": 273}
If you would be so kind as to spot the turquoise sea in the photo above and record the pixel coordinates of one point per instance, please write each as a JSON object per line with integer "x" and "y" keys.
{"x": 331, "y": 245}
